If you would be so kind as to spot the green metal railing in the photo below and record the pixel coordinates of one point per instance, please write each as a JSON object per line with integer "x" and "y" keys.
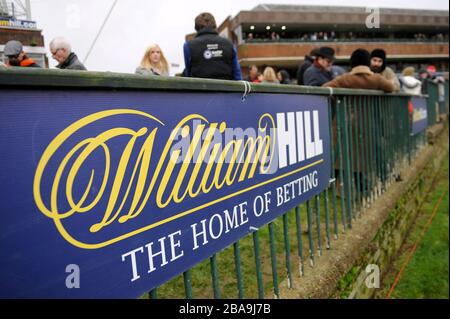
{"x": 370, "y": 143}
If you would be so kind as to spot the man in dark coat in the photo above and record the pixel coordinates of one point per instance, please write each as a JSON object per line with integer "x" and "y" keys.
{"x": 62, "y": 52}
{"x": 309, "y": 60}
{"x": 320, "y": 71}
{"x": 209, "y": 55}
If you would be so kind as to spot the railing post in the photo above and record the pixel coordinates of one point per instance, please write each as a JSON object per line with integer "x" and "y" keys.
{"x": 319, "y": 239}
{"x": 299, "y": 241}
{"x": 287, "y": 246}
{"x": 153, "y": 294}
{"x": 327, "y": 219}
{"x": 259, "y": 278}
{"x": 351, "y": 152}
{"x": 237, "y": 262}
{"x": 187, "y": 284}
{"x": 215, "y": 276}
{"x": 332, "y": 173}
{"x": 339, "y": 110}
{"x": 347, "y": 178}
{"x": 358, "y": 144}
{"x": 273, "y": 258}
{"x": 310, "y": 239}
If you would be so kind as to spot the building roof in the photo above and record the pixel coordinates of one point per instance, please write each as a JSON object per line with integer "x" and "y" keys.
{"x": 340, "y": 17}
{"x": 344, "y": 9}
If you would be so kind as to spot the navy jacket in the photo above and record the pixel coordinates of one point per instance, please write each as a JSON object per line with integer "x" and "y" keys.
{"x": 209, "y": 55}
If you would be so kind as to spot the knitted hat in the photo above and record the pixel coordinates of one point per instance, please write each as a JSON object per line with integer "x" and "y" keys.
{"x": 378, "y": 53}
{"x": 360, "y": 57}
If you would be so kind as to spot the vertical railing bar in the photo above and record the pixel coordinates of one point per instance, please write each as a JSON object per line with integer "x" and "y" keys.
{"x": 351, "y": 152}
{"x": 153, "y": 294}
{"x": 374, "y": 143}
{"x": 406, "y": 134}
{"x": 215, "y": 276}
{"x": 237, "y": 263}
{"x": 406, "y": 139}
{"x": 357, "y": 169}
{"x": 406, "y": 131}
{"x": 299, "y": 241}
{"x": 411, "y": 141}
{"x": 347, "y": 173}
{"x": 187, "y": 284}
{"x": 310, "y": 239}
{"x": 375, "y": 147}
{"x": 392, "y": 141}
{"x": 380, "y": 145}
{"x": 273, "y": 258}
{"x": 287, "y": 246}
{"x": 259, "y": 278}
{"x": 319, "y": 236}
{"x": 366, "y": 150}
{"x": 383, "y": 143}
{"x": 341, "y": 161}
{"x": 371, "y": 153}
{"x": 327, "y": 219}
{"x": 332, "y": 173}
{"x": 363, "y": 160}
{"x": 404, "y": 126}
{"x": 387, "y": 141}
{"x": 396, "y": 136}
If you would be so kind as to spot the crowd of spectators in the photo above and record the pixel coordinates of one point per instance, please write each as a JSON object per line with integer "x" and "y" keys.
{"x": 209, "y": 55}
{"x": 272, "y": 36}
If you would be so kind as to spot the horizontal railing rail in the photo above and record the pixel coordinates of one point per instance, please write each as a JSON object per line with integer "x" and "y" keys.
{"x": 122, "y": 81}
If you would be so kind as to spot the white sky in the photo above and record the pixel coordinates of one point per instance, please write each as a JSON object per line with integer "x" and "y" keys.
{"x": 134, "y": 24}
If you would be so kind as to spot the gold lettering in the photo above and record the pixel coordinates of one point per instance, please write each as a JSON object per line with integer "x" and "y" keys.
{"x": 242, "y": 156}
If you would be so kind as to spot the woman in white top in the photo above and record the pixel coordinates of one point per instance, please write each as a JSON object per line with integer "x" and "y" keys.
{"x": 410, "y": 84}
{"x": 154, "y": 62}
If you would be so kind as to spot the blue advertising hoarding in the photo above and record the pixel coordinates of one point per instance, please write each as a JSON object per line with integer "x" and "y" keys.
{"x": 419, "y": 115}
{"x": 110, "y": 194}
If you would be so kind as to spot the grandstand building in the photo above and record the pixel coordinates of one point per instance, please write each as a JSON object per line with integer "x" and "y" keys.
{"x": 281, "y": 35}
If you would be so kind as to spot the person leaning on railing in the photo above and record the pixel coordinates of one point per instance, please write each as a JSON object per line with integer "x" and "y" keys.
{"x": 320, "y": 70}
{"x": 361, "y": 77}
{"x": 378, "y": 65}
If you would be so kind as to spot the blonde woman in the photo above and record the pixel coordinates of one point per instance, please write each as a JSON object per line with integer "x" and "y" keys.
{"x": 270, "y": 76}
{"x": 154, "y": 62}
